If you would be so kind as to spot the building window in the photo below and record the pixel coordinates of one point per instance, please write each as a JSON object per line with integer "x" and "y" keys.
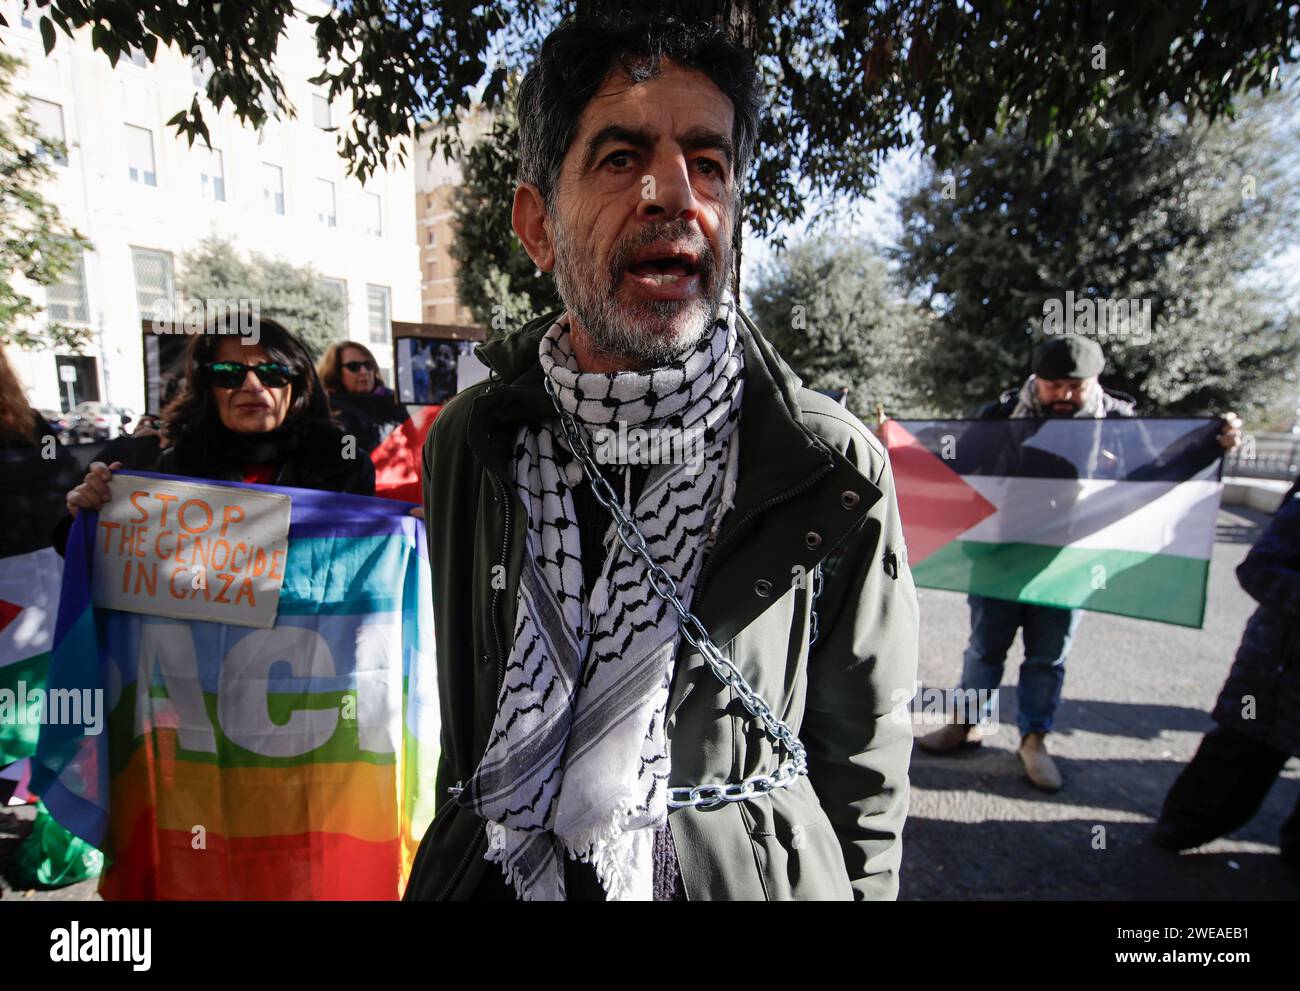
{"x": 154, "y": 282}
{"x": 433, "y": 238}
{"x": 212, "y": 174}
{"x": 339, "y": 289}
{"x": 374, "y": 214}
{"x": 26, "y": 21}
{"x": 378, "y": 300}
{"x": 321, "y": 112}
{"x": 325, "y": 212}
{"x": 273, "y": 188}
{"x": 139, "y": 155}
{"x": 67, "y": 301}
{"x": 48, "y": 118}
{"x": 433, "y": 270}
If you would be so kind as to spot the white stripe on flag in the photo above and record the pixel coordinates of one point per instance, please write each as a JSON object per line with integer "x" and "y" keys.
{"x": 1152, "y": 517}
{"x": 31, "y": 581}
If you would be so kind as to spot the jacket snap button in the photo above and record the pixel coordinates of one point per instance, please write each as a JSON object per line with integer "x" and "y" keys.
{"x": 813, "y": 539}
{"x": 797, "y": 838}
{"x": 763, "y": 587}
{"x": 849, "y": 498}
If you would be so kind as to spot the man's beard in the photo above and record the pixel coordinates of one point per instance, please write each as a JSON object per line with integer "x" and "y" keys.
{"x": 649, "y": 333}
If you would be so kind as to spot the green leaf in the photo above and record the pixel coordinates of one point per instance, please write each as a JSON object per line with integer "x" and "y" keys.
{"x": 47, "y": 34}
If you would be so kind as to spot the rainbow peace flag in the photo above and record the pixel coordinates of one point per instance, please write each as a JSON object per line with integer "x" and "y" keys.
{"x": 238, "y": 763}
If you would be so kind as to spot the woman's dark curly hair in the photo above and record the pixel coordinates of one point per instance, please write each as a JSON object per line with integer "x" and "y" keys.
{"x": 193, "y": 421}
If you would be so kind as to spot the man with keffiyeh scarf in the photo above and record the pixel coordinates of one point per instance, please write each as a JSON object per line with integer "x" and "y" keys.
{"x": 571, "y": 701}
{"x": 1064, "y": 383}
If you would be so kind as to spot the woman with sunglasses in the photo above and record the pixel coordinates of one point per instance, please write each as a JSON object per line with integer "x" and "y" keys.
{"x": 365, "y": 407}
{"x": 249, "y": 413}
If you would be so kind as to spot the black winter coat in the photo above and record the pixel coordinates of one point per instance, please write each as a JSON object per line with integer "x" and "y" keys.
{"x": 368, "y": 417}
{"x": 32, "y": 491}
{"x": 1261, "y": 698}
{"x": 311, "y": 459}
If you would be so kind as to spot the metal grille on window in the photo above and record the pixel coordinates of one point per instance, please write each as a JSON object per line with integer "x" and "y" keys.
{"x": 377, "y": 298}
{"x": 67, "y": 301}
{"x": 154, "y": 282}
{"x": 339, "y": 289}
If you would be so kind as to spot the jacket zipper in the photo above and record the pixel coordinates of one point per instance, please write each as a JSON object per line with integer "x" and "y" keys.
{"x": 463, "y": 866}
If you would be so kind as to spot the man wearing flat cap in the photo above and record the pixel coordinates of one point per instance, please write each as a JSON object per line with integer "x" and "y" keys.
{"x": 1064, "y": 383}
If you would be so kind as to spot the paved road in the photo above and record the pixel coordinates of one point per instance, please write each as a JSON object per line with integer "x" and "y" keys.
{"x": 1135, "y": 705}
{"x": 1136, "y": 698}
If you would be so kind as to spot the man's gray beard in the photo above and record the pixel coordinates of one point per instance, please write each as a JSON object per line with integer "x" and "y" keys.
{"x": 592, "y": 297}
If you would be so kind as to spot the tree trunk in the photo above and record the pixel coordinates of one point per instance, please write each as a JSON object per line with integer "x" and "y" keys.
{"x": 738, "y": 19}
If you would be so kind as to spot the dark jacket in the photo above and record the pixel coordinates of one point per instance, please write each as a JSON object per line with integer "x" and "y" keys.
{"x": 32, "y": 490}
{"x": 814, "y": 487}
{"x": 1261, "y": 698}
{"x": 313, "y": 459}
{"x": 370, "y": 417}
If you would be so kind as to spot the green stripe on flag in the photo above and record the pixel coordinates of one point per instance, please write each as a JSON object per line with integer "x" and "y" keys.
{"x": 342, "y": 747}
{"x": 18, "y": 739}
{"x": 1161, "y": 587}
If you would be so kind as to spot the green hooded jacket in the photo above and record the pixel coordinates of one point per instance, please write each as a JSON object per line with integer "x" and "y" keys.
{"x": 814, "y": 488}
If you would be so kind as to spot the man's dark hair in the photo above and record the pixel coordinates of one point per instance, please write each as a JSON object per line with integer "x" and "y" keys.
{"x": 578, "y": 56}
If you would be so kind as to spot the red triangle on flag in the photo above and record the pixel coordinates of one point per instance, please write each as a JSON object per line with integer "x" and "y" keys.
{"x": 398, "y": 457}
{"x": 936, "y": 504}
{"x": 8, "y": 611}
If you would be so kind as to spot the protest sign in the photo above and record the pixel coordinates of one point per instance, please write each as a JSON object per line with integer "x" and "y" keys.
{"x": 296, "y": 762}
{"x": 166, "y": 547}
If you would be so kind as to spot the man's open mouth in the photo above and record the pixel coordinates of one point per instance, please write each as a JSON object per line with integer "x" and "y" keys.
{"x": 665, "y": 270}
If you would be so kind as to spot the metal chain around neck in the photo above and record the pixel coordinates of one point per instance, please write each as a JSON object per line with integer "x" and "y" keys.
{"x": 693, "y": 631}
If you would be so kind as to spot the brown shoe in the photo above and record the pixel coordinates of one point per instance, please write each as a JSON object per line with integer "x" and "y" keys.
{"x": 1039, "y": 766}
{"x": 954, "y": 736}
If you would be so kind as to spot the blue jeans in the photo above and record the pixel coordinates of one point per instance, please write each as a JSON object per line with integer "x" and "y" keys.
{"x": 1048, "y": 632}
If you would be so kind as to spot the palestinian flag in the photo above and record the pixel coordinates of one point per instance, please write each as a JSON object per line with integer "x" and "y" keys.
{"x": 398, "y": 456}
{"x": 29, "y": 601}
{"x": 31, "y": 505}
{"x": 392, "y": 434}
{"x": 1112, "y": 515}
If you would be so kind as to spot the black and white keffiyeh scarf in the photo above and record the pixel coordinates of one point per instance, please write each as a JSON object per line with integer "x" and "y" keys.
{"x": 577, "y": 764}
{"x": 1028, "y": 406}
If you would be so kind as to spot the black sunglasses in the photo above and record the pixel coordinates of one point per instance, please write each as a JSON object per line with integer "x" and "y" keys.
{"x": 231, "y": 374}
{"x": 356, "y": 366}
